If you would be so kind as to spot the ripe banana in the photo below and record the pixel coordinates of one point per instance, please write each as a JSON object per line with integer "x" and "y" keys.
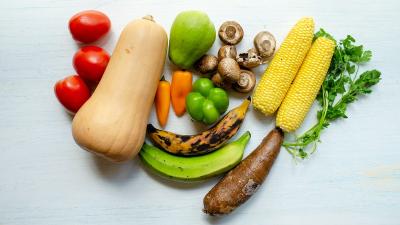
{"x": 198, "y": 167}
{"x": 204, "y": 142}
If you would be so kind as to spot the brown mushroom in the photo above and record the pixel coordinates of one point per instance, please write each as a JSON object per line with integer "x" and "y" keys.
{"x": 250, "y": 59}
{"x": 246, "y": 82}
{"x": 230, "y": 32}
{"x": 265, "y": 44}
{"x": 227, "y": 51}
{"x": 219, "y": 81}
{"x": 207, "y": 64}
{"x": 229, "y": 70}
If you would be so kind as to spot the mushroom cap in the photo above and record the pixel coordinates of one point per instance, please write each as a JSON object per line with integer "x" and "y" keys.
{"x": 246, "y": 82}
{"x": 219, "y": 81}
{"x": 229, "y": 70}
{"x": 250, "y": 59}
{"x": 265, "y": 44}
{"x": 227, "y": 51}
{"x": 230, "y": 32}
{"x": 207, "y": 64}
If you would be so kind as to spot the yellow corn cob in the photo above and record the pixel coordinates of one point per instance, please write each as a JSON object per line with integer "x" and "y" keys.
{"x": 276, "y": 80}
{"x": 306, "y": 85}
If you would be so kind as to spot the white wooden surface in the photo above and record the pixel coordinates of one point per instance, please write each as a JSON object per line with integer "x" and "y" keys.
{"x": 354, "y": 178}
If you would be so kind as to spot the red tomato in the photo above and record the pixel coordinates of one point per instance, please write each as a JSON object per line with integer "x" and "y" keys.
{"x": 90, "y": 63}
{"x": 89, "y": 26}
{"x": 72, "y": 92}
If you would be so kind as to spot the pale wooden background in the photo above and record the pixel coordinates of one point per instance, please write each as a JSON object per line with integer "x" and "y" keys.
{"x": 45, "y": 178}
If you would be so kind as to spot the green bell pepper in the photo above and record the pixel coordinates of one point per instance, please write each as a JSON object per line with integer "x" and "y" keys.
{"x": 206, "y": 103}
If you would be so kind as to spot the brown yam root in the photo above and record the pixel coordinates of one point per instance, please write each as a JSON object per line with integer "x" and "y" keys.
{"x": 245, "y": 179}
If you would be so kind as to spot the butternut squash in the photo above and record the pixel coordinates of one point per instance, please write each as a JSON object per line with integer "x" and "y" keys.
{"x": 112, "y": 123}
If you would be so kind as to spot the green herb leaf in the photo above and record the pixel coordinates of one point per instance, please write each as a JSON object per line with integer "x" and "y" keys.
{"x": 323, "y": 33}
{"x": 341, "y": 87}
{"x": 366, "y": 56}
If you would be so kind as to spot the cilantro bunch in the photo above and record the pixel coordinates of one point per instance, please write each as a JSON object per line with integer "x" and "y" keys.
{"x": 341, "y": 87}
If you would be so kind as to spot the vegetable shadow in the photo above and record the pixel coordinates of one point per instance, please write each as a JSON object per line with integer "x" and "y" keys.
{"x": 200, "y": 127}
{"x": 68, "y": 115}
{"x": 263, "y": 118}
{"x": 238, "y": 95}
{"x": 117, "y": 173}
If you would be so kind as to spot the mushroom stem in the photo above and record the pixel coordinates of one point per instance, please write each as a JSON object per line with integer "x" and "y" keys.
{"x": 230, "y": 32}
{"x": 243, "y": 81}
{"x": 246, "y": 82}
{"x": 265, "y": 44}
{"x": 250, "y": 59}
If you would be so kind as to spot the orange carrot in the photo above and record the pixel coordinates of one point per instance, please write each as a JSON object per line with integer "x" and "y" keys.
{"x": 181, "y": 85}
{"x": 162, "y": 101}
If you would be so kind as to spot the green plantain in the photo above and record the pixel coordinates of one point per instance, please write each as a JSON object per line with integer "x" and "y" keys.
{"x": 204, "y": 142}
{"x": 197, "y": 167}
